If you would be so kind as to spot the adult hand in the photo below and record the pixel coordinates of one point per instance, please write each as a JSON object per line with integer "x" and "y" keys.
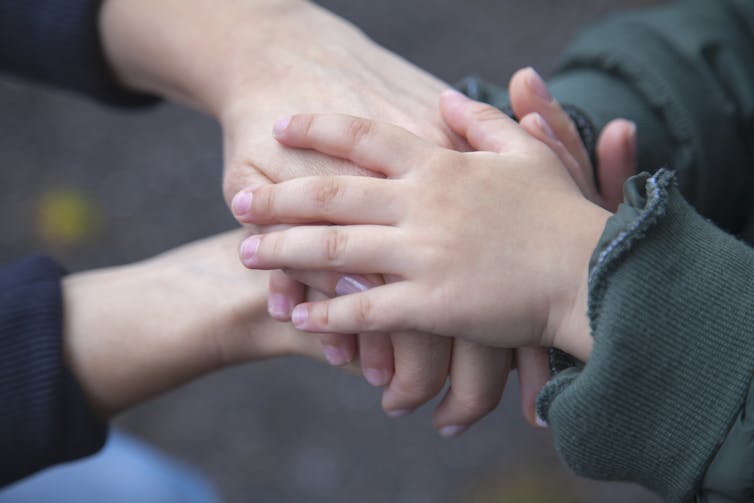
{"x": 134, "y": 331}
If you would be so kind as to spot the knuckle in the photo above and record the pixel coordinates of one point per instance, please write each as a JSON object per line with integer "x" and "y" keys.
{"x": 335, "y": 246}
{"x": 476, "y": 405}
{"x": 365, "y": 312}
{"x": 264, "y": 202}
{"x": 324, "y": 192}
{"x": 301, "y": 124}
{"x": 358, "y": 130}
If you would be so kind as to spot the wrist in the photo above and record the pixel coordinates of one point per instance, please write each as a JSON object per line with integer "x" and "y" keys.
{"x": 568, "y": 324}
{"x": 206, "y": 54}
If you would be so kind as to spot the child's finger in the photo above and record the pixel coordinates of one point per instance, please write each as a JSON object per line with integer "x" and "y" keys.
{"x": 477, "y": 379}
{"x": 421, "y": 368}
{"x": 529, "y": 94}
{"x": 352, "y": 249}
{"x": 537, "y": 126}
{"x": 484, "y": 126}
{"x": 334, "y": 199}
{"x": 381, "y": 309}
{"x": 376, "y": 146}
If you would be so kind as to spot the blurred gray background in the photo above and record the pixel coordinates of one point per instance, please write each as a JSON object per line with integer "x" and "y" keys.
{"x": 96, "y": 187}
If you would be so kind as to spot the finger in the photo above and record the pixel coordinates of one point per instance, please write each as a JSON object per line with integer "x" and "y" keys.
{"x": 377, "y": 146}
{"x": 356, "y": 249}
{"x": 616, "y": 151}
{"x": 537, "y": 126}
{"x": 533, "y": 374}
{"x": 339, "y": 348}
{"x": 484, "y": 126}
{"x": 477, "y": 378}
{"x": 421, "y": 368}
{"x": 529, "y": 94}
{"x": 376, "y": 357}
{"x": 334, "y": 199}
{"x": 285, "y": 292}
{"x": 375, "y": 349}
{"x": 380, "y": 309}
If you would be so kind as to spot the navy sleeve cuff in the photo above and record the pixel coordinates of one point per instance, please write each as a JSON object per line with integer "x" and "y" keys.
{"x": 45, "y": 417}
{"x": 57, "y": 42}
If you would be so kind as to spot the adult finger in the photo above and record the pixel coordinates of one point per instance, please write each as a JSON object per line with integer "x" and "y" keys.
{"x": 533, "y": 373}
{"x": 616, "y": 152}
{"x": 421, "y": 368}
{"x": 477, "y": 379}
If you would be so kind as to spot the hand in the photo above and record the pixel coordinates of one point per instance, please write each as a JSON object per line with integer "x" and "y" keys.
{"x": 538, "y": 281}
{"x": 134, "y": 331}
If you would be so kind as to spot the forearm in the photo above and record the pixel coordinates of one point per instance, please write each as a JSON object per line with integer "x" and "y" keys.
{"x": 135, "y": 331}
{"x": 204, "y": 53}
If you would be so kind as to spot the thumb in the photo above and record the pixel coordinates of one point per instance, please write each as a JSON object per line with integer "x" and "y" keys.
{"x": 484, "y": 126}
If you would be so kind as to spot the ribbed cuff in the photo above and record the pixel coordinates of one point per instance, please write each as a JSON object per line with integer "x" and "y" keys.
{"x": 671, "y": 308}
{"x": 57, "y": 42}
{"x": 44, "y": 416}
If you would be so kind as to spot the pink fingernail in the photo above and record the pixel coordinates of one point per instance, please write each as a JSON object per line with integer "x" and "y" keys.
{"x": 453, "y": 94}
{"x": 241, "y": 203}
{"x": 280, "y": 126}
{"x": 352, "y": 284}
{"x": 279, "y": 307}
{"x": 399, "y": 413}
{"x": 538, "y": 85}
{"x": 335, "y": 356}
{"x": 453, "y": 430}
{"x": 376, "y": 377}
{"x": 541, "y": 422}
{"x": 249, "y": 250}
{"x": 300, "y": 316}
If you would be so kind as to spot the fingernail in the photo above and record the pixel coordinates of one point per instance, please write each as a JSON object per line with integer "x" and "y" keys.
{"x": 335, "y": 356}
{"x": 299, "y": 316}
{"x": 352, "y": 284}
{"x": 279, "y": 306}
{"x": 241, "y": 203}
{"x": 376, "y": 377}
{"x": 452, "y": 430}
{"x": 537, "y": 84}
{"x": 249, "y": 250}
{"x": 545, "y": 127}
{"x": 453, "y": 94}
{"x": 399, "y": 413}
{"x": 280, "y": 126}
{"x": 541, "y": 422}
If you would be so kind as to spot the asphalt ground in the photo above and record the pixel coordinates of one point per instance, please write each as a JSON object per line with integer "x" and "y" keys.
{"x": 96, "y": 187}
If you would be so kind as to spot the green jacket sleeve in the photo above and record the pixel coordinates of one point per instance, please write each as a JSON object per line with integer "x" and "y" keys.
{"x": 685, "y": 74}
{"x": 671, "y": 309}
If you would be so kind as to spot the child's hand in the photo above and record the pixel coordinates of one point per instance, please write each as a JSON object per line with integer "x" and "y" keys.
{"x": 486, "y": 243}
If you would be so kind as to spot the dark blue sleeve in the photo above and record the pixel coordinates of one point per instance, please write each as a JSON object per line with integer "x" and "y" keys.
{"x": 57, "y": 42}
{"x": 44, "y": 416}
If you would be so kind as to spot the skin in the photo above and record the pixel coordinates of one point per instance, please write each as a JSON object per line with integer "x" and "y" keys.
{"x": 135, "y": 331}
{"x": 518, "y": 270}
{"x": 203, "y": 54}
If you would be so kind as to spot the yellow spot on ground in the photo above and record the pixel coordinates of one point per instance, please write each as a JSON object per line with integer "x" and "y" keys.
{"x": 66, "y": 217}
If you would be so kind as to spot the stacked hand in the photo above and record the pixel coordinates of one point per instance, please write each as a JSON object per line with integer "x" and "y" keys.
{"x": 429, "y": 304}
